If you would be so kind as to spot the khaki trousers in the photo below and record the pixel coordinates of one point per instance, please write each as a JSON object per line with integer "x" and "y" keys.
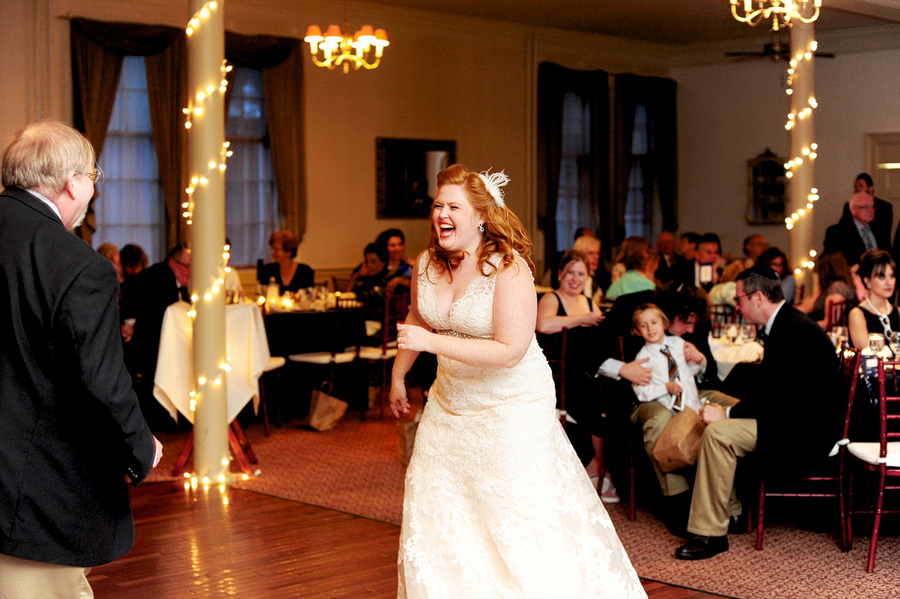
{"x": 653, "y": 418}
{"x": 714, "y": 500}
{"x": 26, "y": 579}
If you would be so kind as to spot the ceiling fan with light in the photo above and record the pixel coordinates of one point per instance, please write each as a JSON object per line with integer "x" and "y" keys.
{"x": 778, "y": 50}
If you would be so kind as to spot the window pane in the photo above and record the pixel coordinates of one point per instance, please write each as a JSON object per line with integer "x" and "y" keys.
{"x": 573, "y": 209}
{"x": 251, "y": 203}
{"x": 129, "y": 205}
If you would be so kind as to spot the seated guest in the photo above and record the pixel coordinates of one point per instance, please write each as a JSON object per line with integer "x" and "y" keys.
{"x": 668, "y": 257}
{"x": 399, "y": 266}
{"x": 133, "y": 258}
{"x": 634, "y": 254}
{"x": 754, "y": 245}
{"x": 835, "y": 279}
{"x": 775, "y": 259}
{"x": 598, "y": 276}
{"x": 369, "y": 283}
{"x": 875, "y": 314}
{"x": 781, "y": 412}
{"x": 290, "y": 275}
{"x": 704, "y": 270}
{"x": 111, "y": 253}
{"x": 666, "y": 393}
{"x": 145, "y": 298}
{"x": 568, "y": 308}
{"x": 723, "y": 292}
{"x": 687, "y": 245}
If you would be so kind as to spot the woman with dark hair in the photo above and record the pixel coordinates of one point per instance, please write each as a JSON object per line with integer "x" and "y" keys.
{"x": 133, "y": 259}
{"x": 298, "y": 276}
{"x": 835, "y": 279}
{"x": 394, "y": 243}
{"x": 634, "y": 255}
{"x": 876, "y": 313}
{"x": 497, "y": 503}
{"x": 775, "y": 259}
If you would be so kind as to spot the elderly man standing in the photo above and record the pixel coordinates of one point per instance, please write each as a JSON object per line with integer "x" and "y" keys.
{"x": 853, "y": 234}
{"x": 70, "y": 426}
{"x": 789, "y": 416}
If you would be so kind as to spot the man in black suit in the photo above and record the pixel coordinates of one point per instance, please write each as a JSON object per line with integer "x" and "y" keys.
{"x": 70, "y": 426}
{"x": 145, "y": 298}
{"x": 668, "y": 257}
{"x": 788, "y": 415}
{"x": 856, "y": 232}
{"x": 704, "y": 270}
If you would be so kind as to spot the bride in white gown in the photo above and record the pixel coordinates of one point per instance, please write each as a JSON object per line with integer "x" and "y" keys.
{"x": 497, "y": 504}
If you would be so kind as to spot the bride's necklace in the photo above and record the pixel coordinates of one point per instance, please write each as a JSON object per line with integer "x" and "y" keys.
{"x": 882, "y": 318}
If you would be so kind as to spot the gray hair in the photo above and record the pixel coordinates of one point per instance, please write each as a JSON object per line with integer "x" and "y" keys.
{"x": 42, "y": 155}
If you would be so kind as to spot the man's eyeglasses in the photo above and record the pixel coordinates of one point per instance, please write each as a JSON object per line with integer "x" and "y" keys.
{"x": 737, "y": 298}
{"x": 92, "y": 175}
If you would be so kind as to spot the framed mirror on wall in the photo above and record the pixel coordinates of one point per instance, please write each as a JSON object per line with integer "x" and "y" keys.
{"x": 768, "y": 189}
{"x": 406, "y": 174}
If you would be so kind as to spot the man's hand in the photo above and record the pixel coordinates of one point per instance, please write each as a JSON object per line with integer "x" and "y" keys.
{"x": 692, "y": 354}
{"x": 674, "y": 387}
{"x": 157, "y": 451}
{"x": 712, "y": 412}
{"x": 636, "y": 373}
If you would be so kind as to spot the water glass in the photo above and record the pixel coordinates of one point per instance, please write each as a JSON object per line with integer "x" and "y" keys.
{"x": 895, "y": 342}
{"x": 748, "y": 332}
{"x": 876, "y": 342}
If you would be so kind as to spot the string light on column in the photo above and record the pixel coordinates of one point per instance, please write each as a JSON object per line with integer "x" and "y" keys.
{"x": 808, "y": 264}
{"x": 811, "y": 198}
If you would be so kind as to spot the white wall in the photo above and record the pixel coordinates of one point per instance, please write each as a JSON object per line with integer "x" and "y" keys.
{"x": 473, "y": 81}
{"x": 729, "y": 113}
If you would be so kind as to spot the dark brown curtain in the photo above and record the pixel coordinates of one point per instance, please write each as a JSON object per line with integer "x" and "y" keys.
{"x": 167, "y": 87}
{"x": 281, "y": 63}
{"x": 98, "y": 49}
{"x": 592, "y": 87}
{"x": 660, "y": 165}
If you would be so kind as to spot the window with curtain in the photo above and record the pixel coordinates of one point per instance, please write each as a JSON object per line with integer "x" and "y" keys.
{"x": 129, "y": 205}
{"x": 251, "y": 201}
{"x": 573, "y": 208}
{"x": 642, "y": 211}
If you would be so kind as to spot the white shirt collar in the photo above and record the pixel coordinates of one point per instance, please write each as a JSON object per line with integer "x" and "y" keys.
{"x": 772, "y": 317}
{"x": 46, "y": 201}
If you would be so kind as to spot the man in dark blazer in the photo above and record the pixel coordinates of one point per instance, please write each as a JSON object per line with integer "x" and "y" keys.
{"x": 704, "y": 270}
{"x": 857, "y": 232}
{"x": 788, "y": 415}
{"x": 145, "y": 298}
{"x": 70, "y": 426}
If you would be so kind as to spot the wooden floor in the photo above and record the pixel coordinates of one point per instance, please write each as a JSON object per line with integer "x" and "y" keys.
{"x": 225, "y": 542}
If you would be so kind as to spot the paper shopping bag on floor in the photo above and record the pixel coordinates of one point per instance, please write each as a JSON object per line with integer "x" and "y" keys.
{"x": 324, "y": 411}
{"x": 679, "y": 443}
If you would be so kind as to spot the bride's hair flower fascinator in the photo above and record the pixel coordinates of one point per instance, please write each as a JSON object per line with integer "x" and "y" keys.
{"x": 493, "y": 182}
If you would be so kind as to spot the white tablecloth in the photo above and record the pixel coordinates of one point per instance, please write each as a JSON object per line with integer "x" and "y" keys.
{"x": 726, "y": 356}
{"x": 246, "y": 343}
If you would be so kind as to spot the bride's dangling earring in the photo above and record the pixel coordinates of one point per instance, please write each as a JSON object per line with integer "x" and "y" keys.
{"x": 481, "y": 227}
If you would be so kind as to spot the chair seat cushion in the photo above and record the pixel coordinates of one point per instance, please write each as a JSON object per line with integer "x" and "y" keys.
{"x": 869, "y": 452}
{"x": 374, "y": 353}
{"x": 274, "y": 363}
{"x": 324, "y": 357}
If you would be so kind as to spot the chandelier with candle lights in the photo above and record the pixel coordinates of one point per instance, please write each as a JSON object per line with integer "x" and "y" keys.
{"x": 782, "y": 12}
{"x": 338, "y": 48}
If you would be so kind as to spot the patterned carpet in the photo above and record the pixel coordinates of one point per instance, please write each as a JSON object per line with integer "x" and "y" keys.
{"x": 354, "y": 468}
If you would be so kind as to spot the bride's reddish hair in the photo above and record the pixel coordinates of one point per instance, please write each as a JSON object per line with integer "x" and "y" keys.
{"x": 504, "y": 233}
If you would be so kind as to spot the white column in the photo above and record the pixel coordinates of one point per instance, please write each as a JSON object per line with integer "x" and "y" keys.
{"x": 802, "y": 136}
{"x": 206, "y": 51}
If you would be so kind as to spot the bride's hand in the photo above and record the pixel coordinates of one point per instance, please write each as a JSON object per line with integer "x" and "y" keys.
{"x": 412, "y": 337}
{"x": 399, "y": 401}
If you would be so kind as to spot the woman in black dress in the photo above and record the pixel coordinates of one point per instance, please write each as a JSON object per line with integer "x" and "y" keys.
{"x": 290, "y": 275}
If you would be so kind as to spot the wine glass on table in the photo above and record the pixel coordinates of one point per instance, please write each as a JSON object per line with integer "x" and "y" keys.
{"x": 731, "y": 334}
{"x": 748, "y": 332}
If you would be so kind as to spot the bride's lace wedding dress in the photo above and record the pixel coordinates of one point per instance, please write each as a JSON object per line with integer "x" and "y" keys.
{"x": 497, "y": 504}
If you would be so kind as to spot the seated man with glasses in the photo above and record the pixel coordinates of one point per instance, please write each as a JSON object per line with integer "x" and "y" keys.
{"x": 145, "y": 298}
{"x": 789, "y": 414}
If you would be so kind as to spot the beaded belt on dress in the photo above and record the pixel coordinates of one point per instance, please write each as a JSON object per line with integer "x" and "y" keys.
{"x": 453, "y": 333}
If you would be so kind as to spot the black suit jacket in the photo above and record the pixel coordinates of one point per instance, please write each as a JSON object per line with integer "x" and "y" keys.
{"x": 844, "y": 238}
{"x": 70, "y": 425}
{"x": 145, "y": 298}
{"x": 795, "y": 396}
{"x": 304, "y": 276}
